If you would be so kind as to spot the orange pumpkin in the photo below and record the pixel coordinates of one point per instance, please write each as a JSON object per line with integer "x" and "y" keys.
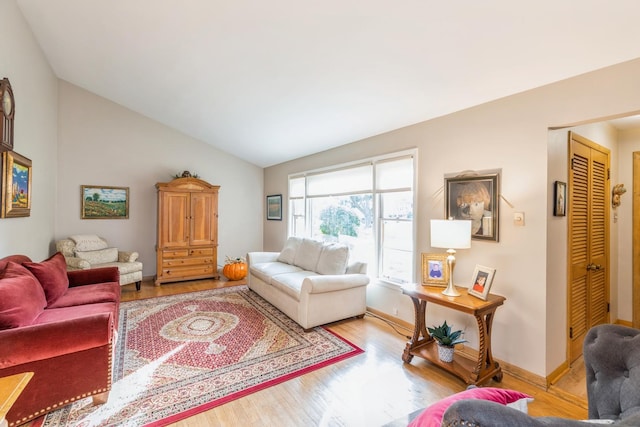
{"x": 235, "y": 270}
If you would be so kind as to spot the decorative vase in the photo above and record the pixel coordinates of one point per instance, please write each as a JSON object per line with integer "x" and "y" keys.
{"x": 445, "y": 353}
{"x": 235, "y": 270}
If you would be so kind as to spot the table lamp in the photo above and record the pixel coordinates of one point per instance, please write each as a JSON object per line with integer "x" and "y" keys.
{"x": 451, "y": 234}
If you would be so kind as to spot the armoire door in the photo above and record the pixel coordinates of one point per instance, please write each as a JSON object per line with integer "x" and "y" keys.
{"x": 174, "y": 227}
{"x": 203, "y": 224}
{"x": 588, "y": 213}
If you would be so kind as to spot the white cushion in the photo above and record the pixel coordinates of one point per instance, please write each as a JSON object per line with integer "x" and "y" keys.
{"x": 99, "y": 257}
{"x": 308, "y": 254}
{"x": 265, "y": 270}
{"x": 333, "y": 259}
{"x": 291, "y": 283}
{"x": 88, "y": 242}
{"x": 288, "y": 253}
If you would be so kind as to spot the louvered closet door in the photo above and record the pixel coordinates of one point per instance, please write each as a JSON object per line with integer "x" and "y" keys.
{"x": 588, "y": 299}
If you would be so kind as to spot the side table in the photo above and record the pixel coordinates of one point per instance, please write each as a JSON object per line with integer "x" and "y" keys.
{"x": 10, "y": 389}
{"x": 423, "y": 345}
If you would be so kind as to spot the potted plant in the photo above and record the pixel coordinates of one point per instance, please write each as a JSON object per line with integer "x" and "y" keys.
{"x": 446, "y": 340}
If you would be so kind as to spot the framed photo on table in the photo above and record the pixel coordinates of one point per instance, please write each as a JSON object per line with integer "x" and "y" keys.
{"x": 475, "y": 198}
{"x": 16, "y": 185}
{"x": 481, "y": 281}
{"x": 434, "y": 270}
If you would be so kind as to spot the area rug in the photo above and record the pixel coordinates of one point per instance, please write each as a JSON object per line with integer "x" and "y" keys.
{"x": 183, "y": 354}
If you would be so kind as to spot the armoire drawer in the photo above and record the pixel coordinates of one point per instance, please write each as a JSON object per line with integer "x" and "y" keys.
{"x": 188, "y": 261}
{"x": 188, "y": 271}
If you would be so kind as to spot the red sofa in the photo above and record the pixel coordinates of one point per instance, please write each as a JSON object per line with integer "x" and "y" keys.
{"x": 61, "y": 326}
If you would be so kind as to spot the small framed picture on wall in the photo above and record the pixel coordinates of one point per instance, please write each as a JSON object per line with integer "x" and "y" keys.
{"x": 274, "y": 207}
{"x": 560, "y": 199}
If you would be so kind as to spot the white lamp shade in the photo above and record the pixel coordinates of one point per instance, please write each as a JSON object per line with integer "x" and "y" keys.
{"x": 450, "y": 234}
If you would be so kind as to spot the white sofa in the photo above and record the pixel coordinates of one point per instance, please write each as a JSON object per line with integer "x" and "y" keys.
{"x": 310, "y": 281}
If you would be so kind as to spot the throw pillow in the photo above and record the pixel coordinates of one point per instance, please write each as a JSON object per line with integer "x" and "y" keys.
{"x": 288, "y": 254}
{"x": 432, "y": 416}
{"x": 308, "y": 254}
{"x": 21, "y": 297}
{"x": 333, "y": 259}
{"x": 52, "y": 275}
{"x": 89, "y": 242}
{"x": 100, "y": 256}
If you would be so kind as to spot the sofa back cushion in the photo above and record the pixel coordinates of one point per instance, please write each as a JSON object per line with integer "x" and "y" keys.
{"x": 89, "y": 242}
{"x": 308, "y": 254}
{"x": 22, "y": 299}
{"x": 52, "y": 275}
{"x": 100, "y": 256}
{"x": 288, "y": 253}
{"x": 333, "y": 259}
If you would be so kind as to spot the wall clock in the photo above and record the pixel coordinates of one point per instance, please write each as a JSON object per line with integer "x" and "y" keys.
{"x": 8, "y": 112}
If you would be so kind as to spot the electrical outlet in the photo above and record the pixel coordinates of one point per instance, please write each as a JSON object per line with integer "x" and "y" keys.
{"x": 395, "y": 311}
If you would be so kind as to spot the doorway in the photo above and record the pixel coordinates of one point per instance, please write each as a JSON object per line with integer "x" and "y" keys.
{"x": 588, "y": 240}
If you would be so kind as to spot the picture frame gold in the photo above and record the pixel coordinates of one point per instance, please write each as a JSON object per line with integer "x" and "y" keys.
{"x": 481, "y": 281}
{"x": 434, "y": 270}
{"x": 103, "y": 202}
{"x": 16, "y": 185}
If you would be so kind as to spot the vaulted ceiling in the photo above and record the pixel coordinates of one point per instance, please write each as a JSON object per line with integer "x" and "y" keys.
{"x": 275, "y": 80}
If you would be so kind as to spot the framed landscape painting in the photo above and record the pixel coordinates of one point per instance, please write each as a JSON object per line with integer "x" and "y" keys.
{"x": 16, "y": 185}
{"x": 100, "y": 202}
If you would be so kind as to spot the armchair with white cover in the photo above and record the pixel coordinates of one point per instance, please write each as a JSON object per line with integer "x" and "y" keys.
{"x": 85, "y": 251}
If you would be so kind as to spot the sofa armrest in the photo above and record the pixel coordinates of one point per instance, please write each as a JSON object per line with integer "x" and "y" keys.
{"x": 333, "y": 282}
{"x": 75, "y": 263}
{"x": 47, "y": 340}
{"x": 258, "y": 257}
{"x": 127, "y": 256}
{"x": 93, "y": 276}
{"x": 484, "y": 413}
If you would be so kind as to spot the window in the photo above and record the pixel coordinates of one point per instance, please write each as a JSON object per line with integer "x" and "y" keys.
{"x": 368, "y": 205}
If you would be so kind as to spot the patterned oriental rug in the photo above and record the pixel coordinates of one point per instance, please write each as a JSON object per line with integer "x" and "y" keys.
{"x": 183, "y": 354}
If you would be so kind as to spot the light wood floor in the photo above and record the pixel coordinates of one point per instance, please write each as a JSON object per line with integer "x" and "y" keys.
{"x": 370, "y": 389}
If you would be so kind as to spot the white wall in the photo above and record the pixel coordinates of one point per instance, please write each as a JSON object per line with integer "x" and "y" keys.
{"x": 629, "y": 141}
{"x": 511, "y": 134}
{"x": 103, "y": 143}
{"x": 35, "y": 90}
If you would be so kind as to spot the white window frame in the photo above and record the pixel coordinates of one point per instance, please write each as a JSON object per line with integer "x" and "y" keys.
{"x": 374, "y": 270}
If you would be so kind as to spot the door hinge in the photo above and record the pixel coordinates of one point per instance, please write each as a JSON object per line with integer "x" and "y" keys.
{"x": 608, "y": 173}
{"x": 608, "y": 307}
{"x": 572, "y": 159}
{"x": 570, "y": 332}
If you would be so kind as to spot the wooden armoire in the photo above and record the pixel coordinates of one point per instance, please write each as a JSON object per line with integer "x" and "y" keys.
{"x": 187, "y": 246}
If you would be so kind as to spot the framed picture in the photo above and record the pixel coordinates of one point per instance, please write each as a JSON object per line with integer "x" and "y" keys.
{"x": 274, "y": 207}
{"x": 481, "y": 281}
{"x": 16, "y": 185}
{"x": 560, "y": 198}
{"x": 100, "y": 202}
{"x": 434, "y": 270}
{"x": 474, "y": 198}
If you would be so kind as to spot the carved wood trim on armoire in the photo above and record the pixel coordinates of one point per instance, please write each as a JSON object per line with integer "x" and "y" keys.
{"x": 187, "y": 241}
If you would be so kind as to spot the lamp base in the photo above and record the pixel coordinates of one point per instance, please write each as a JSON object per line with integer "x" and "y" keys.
{"x": 451, "y": 291}
{"x": 451, "y": 262}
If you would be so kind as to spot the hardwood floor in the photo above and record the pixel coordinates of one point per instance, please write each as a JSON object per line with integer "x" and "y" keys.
{"x": 370, "y": 389}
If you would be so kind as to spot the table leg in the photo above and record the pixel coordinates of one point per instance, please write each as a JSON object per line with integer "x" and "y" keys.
{"x": 485, "y": 365}
{"x": 420, "y": 334}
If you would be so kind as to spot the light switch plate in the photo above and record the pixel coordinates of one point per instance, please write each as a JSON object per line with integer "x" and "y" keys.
{"x": 518, "y": 218}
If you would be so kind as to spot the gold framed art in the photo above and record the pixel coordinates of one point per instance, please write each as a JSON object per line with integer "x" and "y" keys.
{"x": 16, "y": 185}
{"x": 434, "y": 270}
{"x": 101, "y": 202}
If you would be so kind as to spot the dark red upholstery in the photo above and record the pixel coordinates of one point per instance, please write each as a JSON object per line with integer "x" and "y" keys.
{"x": 68, "y": 346}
